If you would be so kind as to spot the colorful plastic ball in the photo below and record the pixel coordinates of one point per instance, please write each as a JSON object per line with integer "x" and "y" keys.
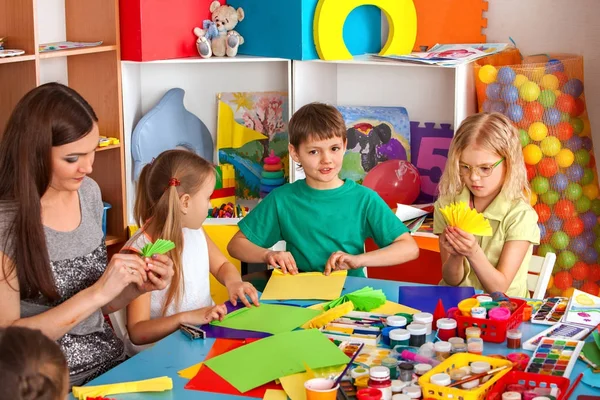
{"x": 543, "y": 231}
{"x": 565, "y": 103}
{"x": 550, "y": 198}
{"x": 547, "y": 98}
{"x": 532, "y": 154}
{"x": 573, "y": 191}
{"x": 554, "y": 65}
{"x": 550, "y": 146}
{"x": 536, "y": 73}
{"x": 595, "y": 206}
{"x": 574, "y": 226}
{"x": 545, "y": 249}
{"x": 524, "y": 137}
{"x": 590, "y": 288}
{"x": 492, "y": 91}
{"x": 573, "y": 87}
{"x": 506, "y": 75}
{"x": 529, "y": 91}
{"x": 579, "y": 107}
{"x": 574, "y": 143}
{"x": 488, "y": 73}
{"x": 547, "y": 167}
{"x": 596, "y": 230}
{"x": 568, "y": 293}
{"x": 533, "y": 199}
{"x": 559, "y": 182}
{"x": 533, "y": 111}
{"x": 590, "y": 255}
{"x": 589, "y": 237}
{"x": 549, "y": 81}
{"x": 509, "y": 94}
{"x": 580, "y": 271}
{"x": 520, "y": 79}
{"x": 514, "y": 112}
{"x": 597, "y": 245}
{"x": 563, "y": 131}
{"x": 551, "y": 116}
{"x": 523, "y": 124}
{"x": 592, "y": 163}
{"x": 587, "y": 143}
{"x": 562, "y": 78}
{"x": 563, "y": 280}
{"x": 559, "y": 240}
{"x": 537, "y": 131}
{"x": 564, "y": 209}
{"x": 543, "y": 211}
{"x": 540, "y": 185}
{"x": 498, "y": 106}
{"x": 589, "y": 219}
{"x": 582, "y": 157}
{"x": 577, "y": 245}
{"x": 583, "y": 204}
{"x": 565, "y": 260}
{"x": 565, "y": 158}
{"x": 487, "y": 106}
{"x": 565, "y": 117}
{"x": 554, "y": 223}
{"x": 577, "y": 124}
{"x": 588, "y": 176}
{"x": 396, "y": 181}
{"x": 587, "y": 129}
{"x": 575, "y": 173}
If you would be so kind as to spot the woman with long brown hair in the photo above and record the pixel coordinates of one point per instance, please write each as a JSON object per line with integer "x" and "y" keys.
{"x": 54, "y": 274}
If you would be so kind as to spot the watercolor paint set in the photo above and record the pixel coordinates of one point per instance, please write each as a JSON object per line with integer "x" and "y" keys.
{"x": 560, "y": 330}
{"x": 551, "y": 311}
{"x": 555, "y": 357}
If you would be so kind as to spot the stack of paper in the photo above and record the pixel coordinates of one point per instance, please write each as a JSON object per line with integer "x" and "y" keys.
{"x": 304, "y": 286}
{"x": 459, "y": 215}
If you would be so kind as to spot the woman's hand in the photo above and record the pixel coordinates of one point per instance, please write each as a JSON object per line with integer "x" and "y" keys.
{"x": 121, "y": 271}
{"x": 160, "y": 272}
{"x": 339, "y": 261}
{"x": 239, "y": 290}
{"x": 462, "y": 243}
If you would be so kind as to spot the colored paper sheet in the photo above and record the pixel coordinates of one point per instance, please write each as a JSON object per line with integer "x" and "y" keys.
{"x": 270, "y": 318}
{"x": 294, "y": 385}
{"x": 276, "y": 356}
{"x": 271, "y": 394}
{"x": 425, "y": 298}
{"x": 591, "y": 352}
{"x": 388, "y": 308}
{"x": 214, "y": 332}
{"x": 190, "y": 372}
{"x": 304, "y": 286}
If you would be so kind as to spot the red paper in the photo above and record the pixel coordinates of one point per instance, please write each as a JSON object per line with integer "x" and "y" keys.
{"x": 206, "y": 380}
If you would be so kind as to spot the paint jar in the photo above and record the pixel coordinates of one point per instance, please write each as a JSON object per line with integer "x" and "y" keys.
{"x": 470, "y": 385}
{"x": 457, "y": 374}
{"x": 427, "y": 350}
{"x": 369, "y": 394}
{"x": 489, "y": 305}
{"x": 413, "y": 392}
{"x": 396, "y": 321}
{"x": 418, "y": 333}
{"x": 357, "y": 372}
{"x": 472, "y": 332}
{"x": 527, "y": 311}
{"x": 516, "y": 387}
{"x": 513, "y": 338}
{"x": 478, "y": 312}
{"x": 484, "y": 299}
{"x": 440, "y": 379}
{"x": 459, "y": 348}
{"x": 466, "y": 305}
{"x": 511, "y": 396}
{"x": 442, "y": 350}
{"x": 422, "y": 369}
{"x": 425, "y": 319}
{"x": 385, "y": 334}
{"x": 321, "y": 389}
{"x": 400, "y": 396}
{"x": 446, "y": 328}
{"x": 398, "y": 385}
{"x": 392, "y": 364}
{"x": 519, "y": 360}
{"x": 479, "y": 367}
{"x": 379, "y": 378}
{"x": 455, "y": 340}
{"x": 399, "y": 337}
{"x": 406, "y": 371}
{"x": 475, "y": 346}
{"x": 499, "y": 314}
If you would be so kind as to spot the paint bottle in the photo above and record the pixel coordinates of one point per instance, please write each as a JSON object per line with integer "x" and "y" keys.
{"x": 440, "y": 379}
{"x": 398, "y": 385}
{"x": 475, "y": 346}
{"x": 399, "y": 337}
{"x": 406, "y": 371}
{"x": 470, "y": 385}
{"x": 392, "y": 364}
{"x": 418, "y": 333}
{"x": 511, "y": 396}
{"x": 446, "y": 328}
{"x": 422, "y": 368}
{"x": 400, "y": 396}
{"x": 455, "y": 340}
{"x": 478, "y": 312}
{"x": 396, "y": 321}
{"x": 484, "y": 299}
{"x": 513, "y": 338}
{"x": 472, "y": 332}
{"x": 499, "y": 314}
{"x": 424, "y": 318}
{"x": 459, "y": 348}
{"x": 369, "y": 394}
{"x": 379, "y": 378}
{"x": 479, "y": 367}
{"x": 413, "y": 392}
{"x": 357, "y": 372}
{"x": 442, "y": 350}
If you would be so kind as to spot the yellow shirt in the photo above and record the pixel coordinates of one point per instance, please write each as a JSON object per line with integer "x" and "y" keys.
{"x": 510, "y": 220}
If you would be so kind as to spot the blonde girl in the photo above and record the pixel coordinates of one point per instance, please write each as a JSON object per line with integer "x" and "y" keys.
{"x": 173, "y": 198}
{"x": 485, "y": 169}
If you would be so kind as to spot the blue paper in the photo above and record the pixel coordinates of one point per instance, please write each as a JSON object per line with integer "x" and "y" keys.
{"x": 425, "y": 298}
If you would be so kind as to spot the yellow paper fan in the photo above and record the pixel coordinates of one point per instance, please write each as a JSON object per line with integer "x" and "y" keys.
{"x": 323, "y": 319}
{"x": 459, "y": 215}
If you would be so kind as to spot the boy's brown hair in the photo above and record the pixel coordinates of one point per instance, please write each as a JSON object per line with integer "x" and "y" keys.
{"x": 316, "y": 121}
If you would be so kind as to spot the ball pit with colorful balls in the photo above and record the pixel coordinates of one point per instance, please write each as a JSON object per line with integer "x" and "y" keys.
{"x": 546, "y": 103}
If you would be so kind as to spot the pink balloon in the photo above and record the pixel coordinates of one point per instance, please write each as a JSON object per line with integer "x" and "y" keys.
{"x": 396, "y": 181}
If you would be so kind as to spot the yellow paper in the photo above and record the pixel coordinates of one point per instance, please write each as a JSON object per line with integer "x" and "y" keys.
{"x": 304, "y": 286}
{"x": 388, "y": 308}
{"x": 294, "y": 385}
{"x": 190, "y": 372}
{"x": 273, "y": 394}
{"x": 149, "y": 385}
{"x": 469, "y": 220}
{"x": 231, "y": 134}
{"x": 333, "y": 313}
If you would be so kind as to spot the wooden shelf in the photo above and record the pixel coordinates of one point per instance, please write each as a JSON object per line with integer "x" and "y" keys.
{"x": 111, "y": 240}
{"x": 78, "y": 51}
{"x": 16, "y": 59}
{"x": 111, "y": 147}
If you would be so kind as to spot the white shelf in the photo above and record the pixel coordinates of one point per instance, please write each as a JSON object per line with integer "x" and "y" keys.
{"x": 211, "y": 60}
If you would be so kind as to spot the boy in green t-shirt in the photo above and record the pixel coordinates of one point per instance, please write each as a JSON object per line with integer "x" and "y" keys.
{"x": 323, "y": 219}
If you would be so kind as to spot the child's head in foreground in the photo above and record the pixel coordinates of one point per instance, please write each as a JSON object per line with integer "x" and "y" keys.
{"x": 317, "y": 134}
{"x": 32, "y": 366}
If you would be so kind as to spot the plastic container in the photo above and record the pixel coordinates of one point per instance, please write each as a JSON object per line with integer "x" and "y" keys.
{"x": 458, "y": 361}
{"x": 369, "y": 394}
{"x": 466, "y": 305}
{"x": 379, "y": 378}
{"x": 397, "y": 321}
{"x": 357, "y": 372}
{"x": 513, "y": 338}
{"x": 511, "y": 396}
{"x": 499, "y": 314}
{"x": 527, "y": 311}
{"x": 446, "y": 328}
{"x": 475, "y": 346}
{"x": 406, "y": 371}
{"x": 413, "y": 392}
{"x": 458, "y": 348}
{"x": 398, "y": 385}
{"x": 392, "y": 365}
{"x": 472, "y": 332}
{"x": 456, "y": 340}
{"x": 104, "y": 217}
{"x": 422, "y": 369}
{"x": 424, "y": 318}
{"x": 400, "y": 396}
{"x": 484, "y": 299}
{"x": 399, "y": 337}
{"x": 529, "y": 381}
{"x": 418, "y": 333}
{"x": 491, "y": 330}
{"x": 519, "y": 360}
{"x": 442, "y": 350}
{"x": 478, "y": 312}
{"x": 441, "y": 379}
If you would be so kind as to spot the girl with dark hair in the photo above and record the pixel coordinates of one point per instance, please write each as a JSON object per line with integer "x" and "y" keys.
{"x": 54, "y": 274}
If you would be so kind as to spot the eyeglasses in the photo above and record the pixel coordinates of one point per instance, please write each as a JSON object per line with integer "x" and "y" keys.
{"x": 483, "y": 170}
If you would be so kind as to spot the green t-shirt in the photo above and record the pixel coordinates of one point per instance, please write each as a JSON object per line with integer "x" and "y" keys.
{"x": 315, "y": 223}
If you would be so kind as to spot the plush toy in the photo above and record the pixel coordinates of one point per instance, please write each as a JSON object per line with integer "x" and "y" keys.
{"x": 217, "y": 36}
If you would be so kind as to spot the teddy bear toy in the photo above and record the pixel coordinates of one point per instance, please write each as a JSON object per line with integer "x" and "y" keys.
{"x": 217, "y": 36}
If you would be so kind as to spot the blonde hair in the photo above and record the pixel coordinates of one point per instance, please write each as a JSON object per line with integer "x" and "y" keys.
{"x": 495, "y": 133}
{"x": 157, "y": 203}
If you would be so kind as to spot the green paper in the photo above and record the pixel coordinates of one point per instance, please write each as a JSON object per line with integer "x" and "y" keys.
{"x": 596, "y": 336}
{"x": 161, "y": 246}
{"x": 270, "y": 318}
{"x": 365, "y": 299}
{"x": 591, "y": 352}
{"x": 271, "y": 358}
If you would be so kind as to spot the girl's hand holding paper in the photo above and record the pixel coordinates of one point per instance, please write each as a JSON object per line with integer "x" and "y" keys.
{"x": 204, "y": 315}
{"x": 462, "y": 243}
{"x": 459, "y": 215}
{"x": 239, "y": 290}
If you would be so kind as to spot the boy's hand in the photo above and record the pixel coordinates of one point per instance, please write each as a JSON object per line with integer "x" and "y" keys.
{"x": 462, "y": 242}
{"x": 341, "y": 261}
{"x": 283, "y": 260}
{"x": 206, "y": 315}
{"x": 239, "y": 290}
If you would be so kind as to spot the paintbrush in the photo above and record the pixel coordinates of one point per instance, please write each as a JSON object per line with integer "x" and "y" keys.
{"x": 477, "y": 376}
{"x": 339, "y": 378}
{"x": 589, "y": 333}
{"x": 595, "y": 368}
{"x": 572, "y": 388}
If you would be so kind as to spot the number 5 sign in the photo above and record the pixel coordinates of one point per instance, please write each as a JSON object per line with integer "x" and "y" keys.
{"x": 429, "y": 152}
